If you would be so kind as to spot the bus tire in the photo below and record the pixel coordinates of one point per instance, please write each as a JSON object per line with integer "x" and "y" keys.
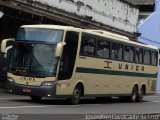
{"x": 134, "y": 94}
{"x": 141, "y": 94}
{"x": 35, "y": 99}
{"x": 76, "y": 97}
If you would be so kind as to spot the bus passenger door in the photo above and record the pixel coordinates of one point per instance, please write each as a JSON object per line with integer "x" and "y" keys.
{"x": 67, "y": 64}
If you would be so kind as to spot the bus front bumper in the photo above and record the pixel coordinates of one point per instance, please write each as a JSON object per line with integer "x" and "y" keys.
{"x": 37, "y": 91}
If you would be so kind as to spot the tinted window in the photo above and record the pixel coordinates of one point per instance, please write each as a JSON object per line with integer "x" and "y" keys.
{"x": 129, "y": 53}
{"x": 147, "y": 57}
{"x": 154, "y": 58}
{"x": 29, "y": 58}
{"x": 116, "y": 51}
{"x": 88, "y": 45}
{"x": 40, "y": 34}
{"x": 103, "y": 48}
{"x": 138, "y": 55}
{"x": 68, "y": 56}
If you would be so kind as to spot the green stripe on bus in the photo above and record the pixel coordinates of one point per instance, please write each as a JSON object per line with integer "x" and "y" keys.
{"x": 113, "y": 72}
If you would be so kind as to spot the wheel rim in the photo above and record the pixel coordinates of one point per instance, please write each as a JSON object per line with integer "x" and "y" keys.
{"x": 134, "y": 95}
{"x": 76, "y": 96}
{"x": 141, "y": 94}
{"x": 76, "y": 93}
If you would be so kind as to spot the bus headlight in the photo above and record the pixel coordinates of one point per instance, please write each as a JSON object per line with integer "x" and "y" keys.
{"x": 47, "y": 83}
{"x": 11, "y": 79}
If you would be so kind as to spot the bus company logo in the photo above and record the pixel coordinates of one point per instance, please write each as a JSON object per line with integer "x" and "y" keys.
{"x": 108, "y": 64}
{"x": 131, "y": 67}
{"x": 122, "y": 66}
{"x": 27, "y": 78}
{"x": 27, "y": 83}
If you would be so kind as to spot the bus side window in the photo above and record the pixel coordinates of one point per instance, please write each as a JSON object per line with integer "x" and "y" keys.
{"x": 138, "y": 55}
{"x": 103, "y": 48}
{"x": 147, "y": 57}
{"x": 132, "y": 53}
{"x": 68, "y": 56}
{"x": 154, "y": 56}
{"x": 88, "y": 45}
{"x": 116, "y": 51}
{"x": 126, "y": 53}
{"x": 129, "y": 53}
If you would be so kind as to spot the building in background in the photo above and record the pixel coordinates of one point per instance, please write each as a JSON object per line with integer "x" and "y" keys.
{"x": 150, "y": 30}
{"x": 146, "y": 7}
{"x": 149, "y": 25}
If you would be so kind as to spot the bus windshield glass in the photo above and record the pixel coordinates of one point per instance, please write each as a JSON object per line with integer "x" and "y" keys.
{"x": 39, "y": 35}
{"x": 33, "y": 59}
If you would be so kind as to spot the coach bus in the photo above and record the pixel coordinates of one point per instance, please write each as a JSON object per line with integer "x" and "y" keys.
{"x": 73, "y": 63}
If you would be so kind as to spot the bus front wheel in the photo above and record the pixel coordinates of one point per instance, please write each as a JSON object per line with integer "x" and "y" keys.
{"x": 76, "y": 97}
{"x": 35, "y": 99}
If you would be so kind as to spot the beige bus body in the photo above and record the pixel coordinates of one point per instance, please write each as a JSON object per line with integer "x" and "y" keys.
{"x": 99, "y": 83}
{"x": 99, "y": 77}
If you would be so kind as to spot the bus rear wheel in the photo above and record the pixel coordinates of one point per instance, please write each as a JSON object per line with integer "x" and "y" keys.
{"x": 134, "y": 94}
{"x": 141, "y": 94}
{"x": 76, "y": 97}
{"x": 35, "y": 99}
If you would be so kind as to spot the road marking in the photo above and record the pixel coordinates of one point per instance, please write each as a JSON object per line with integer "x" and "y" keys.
{"x": 12, "y": 98}
{"x": 151, "y": 102}
{"x": 156, "y": 101}
{"x": 16, "y": 107}
{"x": 153, "y": 96}
{"x": 7, "y": 98}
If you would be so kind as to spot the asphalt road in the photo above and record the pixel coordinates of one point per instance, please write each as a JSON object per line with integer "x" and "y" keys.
{"x": 15, "y": 105}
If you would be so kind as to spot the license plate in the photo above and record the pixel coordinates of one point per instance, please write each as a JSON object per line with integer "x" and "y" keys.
{"x": 27, "y": 90}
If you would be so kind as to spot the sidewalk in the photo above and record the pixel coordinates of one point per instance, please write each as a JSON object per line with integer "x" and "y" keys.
{"x": 3, "y": 86}
{"x": 3, "y": 90}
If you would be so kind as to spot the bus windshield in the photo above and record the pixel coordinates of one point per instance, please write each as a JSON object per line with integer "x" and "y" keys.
{"x": 33, "y": 59}
{"x": 39, "y": 35}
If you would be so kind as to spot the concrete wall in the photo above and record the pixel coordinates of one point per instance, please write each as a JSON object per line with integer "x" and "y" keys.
{"x": 114, "y": 13}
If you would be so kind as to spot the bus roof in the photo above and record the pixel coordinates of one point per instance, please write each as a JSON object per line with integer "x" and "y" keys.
{"x": 113, "y": 36}
{"x": 52, "y": 27}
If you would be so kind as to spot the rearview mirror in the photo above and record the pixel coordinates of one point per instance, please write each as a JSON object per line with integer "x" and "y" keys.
{"x": 4, "y": 45}
{"x": 59, "y": 49}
